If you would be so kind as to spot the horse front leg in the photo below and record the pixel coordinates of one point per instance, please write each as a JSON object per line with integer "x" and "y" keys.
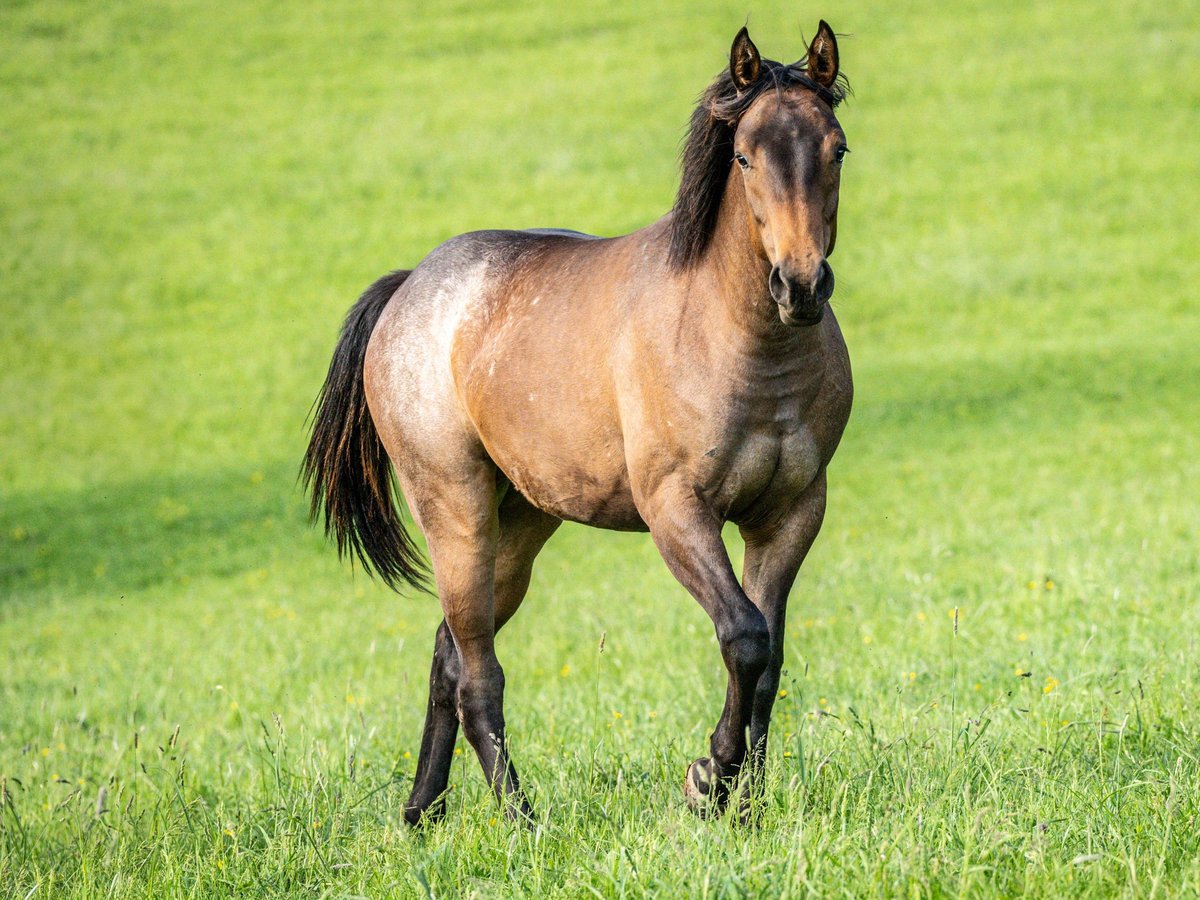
{"x": 774, "y": 554}
{"x": 688, "y": 536}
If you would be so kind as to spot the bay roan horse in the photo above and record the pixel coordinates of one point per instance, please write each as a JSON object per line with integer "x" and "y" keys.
{"x": 669, "y": 380}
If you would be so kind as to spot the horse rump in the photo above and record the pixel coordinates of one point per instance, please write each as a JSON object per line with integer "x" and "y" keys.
{"x": 346, "y": 469}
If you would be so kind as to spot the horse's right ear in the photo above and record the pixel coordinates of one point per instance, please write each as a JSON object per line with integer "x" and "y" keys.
{"x": 744, "y": 61}
{"x": 823, "y": 56}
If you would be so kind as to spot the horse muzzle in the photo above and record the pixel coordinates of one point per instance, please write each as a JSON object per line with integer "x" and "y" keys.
{"x": 801, "y": 298}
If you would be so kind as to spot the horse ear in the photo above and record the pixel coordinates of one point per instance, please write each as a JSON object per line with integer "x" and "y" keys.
{"x": 823, "y": 56}
{"x": 744, "y": 61}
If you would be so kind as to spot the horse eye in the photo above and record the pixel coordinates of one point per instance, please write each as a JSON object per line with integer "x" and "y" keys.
{"x": 741, "y": 160}
{"x": 840, "y": 154}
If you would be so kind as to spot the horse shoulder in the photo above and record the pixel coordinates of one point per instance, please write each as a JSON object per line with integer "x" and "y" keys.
{"x": 836, "y": 398}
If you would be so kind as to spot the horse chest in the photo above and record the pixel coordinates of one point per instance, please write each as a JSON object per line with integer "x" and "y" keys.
{"x": 765, "y": 466}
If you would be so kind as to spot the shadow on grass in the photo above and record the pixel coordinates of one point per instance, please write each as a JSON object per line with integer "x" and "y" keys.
{"x": 130, "y": 536}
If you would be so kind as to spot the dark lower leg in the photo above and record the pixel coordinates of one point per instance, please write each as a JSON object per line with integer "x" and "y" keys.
{"x": 760, "y": 722}
{"x": 481, "y": 709}
{"x": 441, "y": 731}
{"x": 745, "y": 649}
{"x": 764, "y": 698}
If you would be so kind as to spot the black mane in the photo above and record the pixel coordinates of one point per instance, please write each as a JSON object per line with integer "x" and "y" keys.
{"x": 708, "y": 152}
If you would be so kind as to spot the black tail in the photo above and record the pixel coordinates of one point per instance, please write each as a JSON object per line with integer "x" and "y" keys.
{"x": 346, "y": 468}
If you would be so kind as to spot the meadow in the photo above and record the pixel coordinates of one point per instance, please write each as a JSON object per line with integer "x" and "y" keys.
{"x": 992, "y": 665}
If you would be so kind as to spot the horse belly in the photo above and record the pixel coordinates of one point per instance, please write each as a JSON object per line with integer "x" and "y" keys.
{"x": 574, "y": 479}
{"x": 555, "y": 439}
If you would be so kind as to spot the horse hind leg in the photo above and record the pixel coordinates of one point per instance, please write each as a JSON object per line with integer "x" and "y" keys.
{"x": 427, "y": 802}
{"x": 523, "y": 531}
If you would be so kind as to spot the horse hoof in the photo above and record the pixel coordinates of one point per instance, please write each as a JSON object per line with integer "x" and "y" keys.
{"x": 701, "y": 789}
{"x": 424, "y": 816}
{"x": 521, "y": 814}
{"x": 748, "y": 813}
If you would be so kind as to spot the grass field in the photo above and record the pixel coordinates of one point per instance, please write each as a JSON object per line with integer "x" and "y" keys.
{"x": 197, "y": 698}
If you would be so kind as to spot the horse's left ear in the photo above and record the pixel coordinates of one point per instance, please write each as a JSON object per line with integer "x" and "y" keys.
{"x": 823, "y": 56}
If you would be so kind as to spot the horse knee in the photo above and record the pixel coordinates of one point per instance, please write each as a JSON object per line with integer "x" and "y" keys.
{"x": 747, "y": 647}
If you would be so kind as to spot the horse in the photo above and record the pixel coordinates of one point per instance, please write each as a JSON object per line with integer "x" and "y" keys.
{"x": 669, "y": 380}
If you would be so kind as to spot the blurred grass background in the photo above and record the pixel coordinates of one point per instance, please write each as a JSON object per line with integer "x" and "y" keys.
{"x": 192, "y": 195}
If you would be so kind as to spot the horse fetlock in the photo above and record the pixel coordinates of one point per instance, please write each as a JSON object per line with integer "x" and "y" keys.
{"x": 519, "y": 811}
{"x": 417, "y": 814}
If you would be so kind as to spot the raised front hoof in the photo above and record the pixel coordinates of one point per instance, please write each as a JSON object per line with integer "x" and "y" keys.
{"x": 706, "y": 793}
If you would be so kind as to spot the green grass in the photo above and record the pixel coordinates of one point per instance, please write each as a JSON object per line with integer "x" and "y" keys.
{"x": 196, "y": 698}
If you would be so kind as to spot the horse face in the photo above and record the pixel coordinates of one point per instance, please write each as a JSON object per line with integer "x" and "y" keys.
{"x": 789, "y": 147}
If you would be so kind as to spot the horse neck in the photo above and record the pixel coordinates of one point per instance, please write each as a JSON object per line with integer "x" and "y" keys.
{"x": 738, "y": 270}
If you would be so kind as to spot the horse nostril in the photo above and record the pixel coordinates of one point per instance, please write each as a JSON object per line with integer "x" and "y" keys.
{"x": 824, "y": 285}
{"x": 781, "y": 288}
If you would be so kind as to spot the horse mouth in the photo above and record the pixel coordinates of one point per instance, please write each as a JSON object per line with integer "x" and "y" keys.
{"x": 800, "y": 321}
